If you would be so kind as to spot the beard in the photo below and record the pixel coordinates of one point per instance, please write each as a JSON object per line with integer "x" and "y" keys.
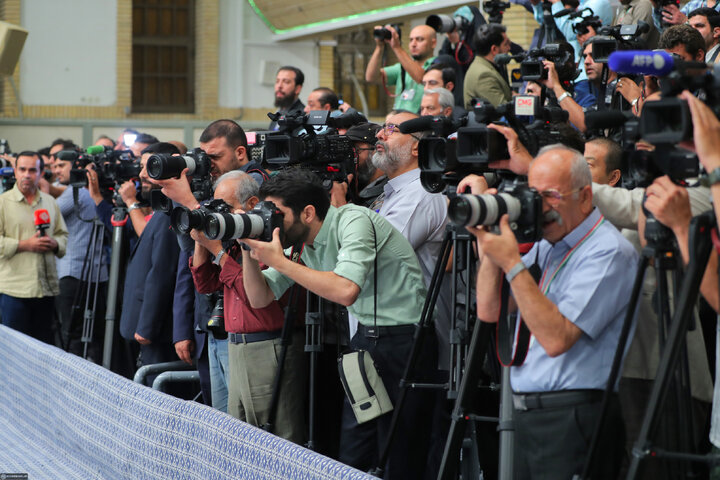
{"x": 417, "y": 57}
{"x": 295, "y": 235}
{"x": 391, "y": 160}
{"x": 365, "y": 172}
{"x": 284, "y": 101}
{"x": 146, "y": 191}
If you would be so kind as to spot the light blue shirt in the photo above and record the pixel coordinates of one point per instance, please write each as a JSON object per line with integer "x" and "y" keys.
{"x": 79, "y": 233}
{"x": 419, "y": 215}
{"x": 592, "y": 290}
{"x": 601, "y": 9}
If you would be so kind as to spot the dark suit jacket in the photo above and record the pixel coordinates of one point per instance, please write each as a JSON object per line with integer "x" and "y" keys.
{"x": 150, "y": 283}
{"x": 189, "y": 307}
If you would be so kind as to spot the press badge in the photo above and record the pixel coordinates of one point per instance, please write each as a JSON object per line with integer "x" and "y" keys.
{"x": 408, "y": 94}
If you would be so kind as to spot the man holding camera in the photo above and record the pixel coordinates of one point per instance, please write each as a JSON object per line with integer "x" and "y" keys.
{"x": 353, "y": 257}
{"x": 407, "y": 74}
{"x": 28, "y": 278}
{"x": 667, "y": 12}
{"x": 73, "y": 274}
{"x": 483, "y": 79}
{"x": 582, "y": 263}
{"x": 254, "y": 333}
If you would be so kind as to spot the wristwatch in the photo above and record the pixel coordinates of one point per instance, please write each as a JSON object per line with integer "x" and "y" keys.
{"x": 711, "y": 178}
{"x": 514, "y": 271}
{"x": 134, "y": 206}
{"x": 219, "y": 256}
{"x": 563, "y": 97}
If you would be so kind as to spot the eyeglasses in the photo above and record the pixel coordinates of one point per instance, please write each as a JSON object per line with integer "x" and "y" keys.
{"x": 390, "y": 128}
{"x": 553, "y": 197}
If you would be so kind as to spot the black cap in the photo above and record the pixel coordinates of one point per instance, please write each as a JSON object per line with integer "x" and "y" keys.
{"x": 363, "y": 132}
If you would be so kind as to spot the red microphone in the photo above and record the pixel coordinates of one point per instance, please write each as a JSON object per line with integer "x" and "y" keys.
{"x": 42, "y": 221}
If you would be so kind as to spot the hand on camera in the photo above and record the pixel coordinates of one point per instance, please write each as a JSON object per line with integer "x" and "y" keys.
{"x": 128, "y": 192}
{"x": 628, "y": 89}
{"x": 502, "y": 249}
{"x": 520, "y": 158}
{"x": 706, "y": 132}
{"x": 177, "y": 189}
{"x": 477, "y": 184}
{"x": 338, "y": 192}
{"x": 93, "y": 184}
{"x": 671, "y": 14}
{"x": 553, "y": 80}
{"x": 394, "y": 39}
{"x": 669, "y": 203}
{"x": 210, "y": 245}
{"x": 267, "y": 253}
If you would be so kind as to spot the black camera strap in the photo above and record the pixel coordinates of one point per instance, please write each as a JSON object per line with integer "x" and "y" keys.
{"x": 511, "y": 348}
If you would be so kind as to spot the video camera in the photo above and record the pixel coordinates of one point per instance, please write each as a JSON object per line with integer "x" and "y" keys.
{"x": 561, "y": 54}
{"x": 583, "y": 26}
{"x": 113, "y": 167}
{"x": 524, "y": 206}
{"x": 161, "y": 166}
{"x": 495, "y": 10}
{"x": 617, "y": 37}
{"x": 444, "y": 162}
{"x": 297, "y": 144}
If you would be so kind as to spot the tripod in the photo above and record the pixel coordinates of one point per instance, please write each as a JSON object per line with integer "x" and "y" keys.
{"x": 88, "y": 287}
{"x": 456, "y": 240}
{"x": 700, "y": 249}
{"x": 119, "y": 220}
{"x": 665, "y": 256}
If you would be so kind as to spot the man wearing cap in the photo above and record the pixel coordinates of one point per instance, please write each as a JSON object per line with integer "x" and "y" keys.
{"x": 370, "y": 180}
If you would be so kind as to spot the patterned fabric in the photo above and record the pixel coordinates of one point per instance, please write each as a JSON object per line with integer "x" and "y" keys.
{"x": 63, "y": 417}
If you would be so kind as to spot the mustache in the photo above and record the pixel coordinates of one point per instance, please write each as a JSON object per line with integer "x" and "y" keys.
{"x": 552, "y": 216}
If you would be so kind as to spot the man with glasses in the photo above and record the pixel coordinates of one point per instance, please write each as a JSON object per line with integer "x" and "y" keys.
{"x": 574, "y": 313}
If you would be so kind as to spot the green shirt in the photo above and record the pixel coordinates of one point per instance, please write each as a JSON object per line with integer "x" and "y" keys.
{"x": 410, "y": 98}
{"x": 28, "y": 274}
{"x": 345, "y": 246}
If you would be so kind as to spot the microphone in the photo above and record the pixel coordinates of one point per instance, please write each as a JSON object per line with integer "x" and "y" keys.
{"x": 428, "y": 122}
{"x": 42, "y": 221}
{"x": 605, "y": 119}
{"x": 642, "y": 62}
{"x": 95, "y": 149}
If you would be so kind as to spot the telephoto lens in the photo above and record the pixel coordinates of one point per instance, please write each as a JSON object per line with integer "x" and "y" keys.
{"x": 161, "y": 166}
{"x": 473, "y": 210}
{"x": 256, "y": 224}
{"x": 184, "y": 219}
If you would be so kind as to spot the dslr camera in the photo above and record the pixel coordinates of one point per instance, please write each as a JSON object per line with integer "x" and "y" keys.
{"x": 523, "y": 205}
{"x": 259, "y": 223}
{"x": 162, "y": 166}
{"x": 383, "y": 33}
{"x": 183, "y": 219}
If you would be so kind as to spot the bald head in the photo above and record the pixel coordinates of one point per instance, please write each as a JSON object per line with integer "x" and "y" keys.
{"x": 561, "y": 175}
{"x": 422, "y": 42}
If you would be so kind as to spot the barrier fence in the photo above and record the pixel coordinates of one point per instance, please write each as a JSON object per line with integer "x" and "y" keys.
{"x": 62, "y": 417}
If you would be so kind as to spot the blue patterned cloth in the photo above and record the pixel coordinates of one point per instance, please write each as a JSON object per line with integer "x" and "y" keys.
{"x": 64, "y": 417}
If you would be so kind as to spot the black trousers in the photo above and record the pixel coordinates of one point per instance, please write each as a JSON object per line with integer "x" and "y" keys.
{"x": 360, "y": 444}
{"x": 552, "y": 443}
{"x": 70, "y": 306}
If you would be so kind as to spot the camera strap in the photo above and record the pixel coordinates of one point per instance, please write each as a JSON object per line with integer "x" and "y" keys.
{"x": 512, "y": 341}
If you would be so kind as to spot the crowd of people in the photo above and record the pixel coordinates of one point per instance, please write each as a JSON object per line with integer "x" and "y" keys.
{"x": 363, "y": 250}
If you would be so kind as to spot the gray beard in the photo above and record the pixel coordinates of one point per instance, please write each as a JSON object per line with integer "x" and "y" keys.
{"x": 553, "y": 215}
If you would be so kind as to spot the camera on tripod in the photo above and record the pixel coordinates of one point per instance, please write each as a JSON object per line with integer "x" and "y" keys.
{"x": 161, "y": 166}
{"x": 383, "y": 33}
{"x": 495, "y": 10}
{"x": 327, "y": 154}
{"x": 258, "y": 224}
{"x": 617, "y": 37}
{"x": 112, "y": 166}
{"x": 561, "y": 54}
{"x": 522, "y": 204}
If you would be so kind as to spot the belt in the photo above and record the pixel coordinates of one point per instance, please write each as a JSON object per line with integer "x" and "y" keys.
{"x": 253, "y": 337}
{"x": 564, "y": 398}
{"x": 374, "y": 332}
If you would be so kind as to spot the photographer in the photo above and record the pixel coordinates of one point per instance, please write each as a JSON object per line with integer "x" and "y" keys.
{"x": 406, "y": 75}
{"x": 483, "y": 79}
{"x": 355, "y": 258}
{"x": 254, "y": 334}
{"x": 370, "y": 180}
{"x": 666, "y": 12}
{"x": 584, "y": 262}
{"x": 73, "y": 274}
{"x": 707, "y": 22}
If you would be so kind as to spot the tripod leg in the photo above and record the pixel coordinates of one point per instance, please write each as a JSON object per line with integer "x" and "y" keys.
{"x": 701, "y": 246}
{"x": 113, "y": 286}
{"x": 466, "y": 394}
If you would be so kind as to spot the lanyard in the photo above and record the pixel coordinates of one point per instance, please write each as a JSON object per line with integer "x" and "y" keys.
{"x": 544, "y": 287}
